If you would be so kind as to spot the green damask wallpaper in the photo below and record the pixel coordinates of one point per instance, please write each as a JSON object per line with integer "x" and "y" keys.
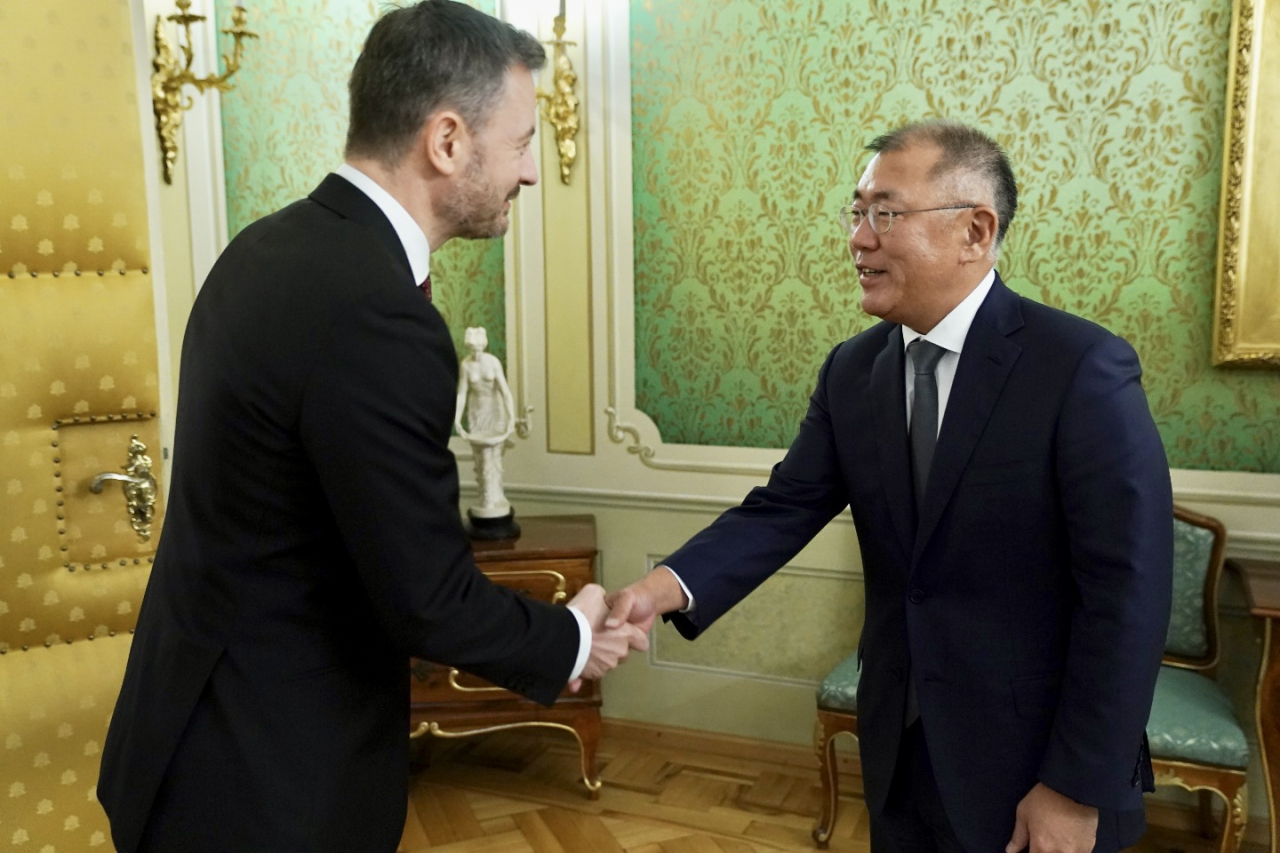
{"x": 283, "y": 129}
{"x": 749, "y": 119}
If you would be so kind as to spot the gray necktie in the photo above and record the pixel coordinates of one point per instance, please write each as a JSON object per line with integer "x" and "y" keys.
{"x": 924, "y": 411}
{"x": 924, "y": 435}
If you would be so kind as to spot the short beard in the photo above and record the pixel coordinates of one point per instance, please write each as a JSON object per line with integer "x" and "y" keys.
{"x": 468, "y": 209}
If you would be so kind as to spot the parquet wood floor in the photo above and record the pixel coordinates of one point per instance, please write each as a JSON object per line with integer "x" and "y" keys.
{"x": 519, "y": 792}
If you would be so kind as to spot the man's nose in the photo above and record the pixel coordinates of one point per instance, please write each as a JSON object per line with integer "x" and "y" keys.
{"x": 528, "y": 168}
{"x": 863, "y": 237}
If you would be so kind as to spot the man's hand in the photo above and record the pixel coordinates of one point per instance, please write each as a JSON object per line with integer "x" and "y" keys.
{"x": 1048, "y": 822}
{"x": 645, "y": 600}
{"x": 609, "y": 645}
{"x": 590, "y": 601}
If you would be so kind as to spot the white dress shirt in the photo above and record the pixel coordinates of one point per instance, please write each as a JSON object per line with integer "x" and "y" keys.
{"x": 948, "y": 334}
{"x": 418, "y": 251}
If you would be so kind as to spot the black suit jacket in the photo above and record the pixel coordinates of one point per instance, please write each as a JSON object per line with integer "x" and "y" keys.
{"x": 1029, "y": 599}
{"x": 312, "y": 543}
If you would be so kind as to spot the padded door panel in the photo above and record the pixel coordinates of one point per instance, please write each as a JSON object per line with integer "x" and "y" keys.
{"x": 71, "y": 189}
{"x": 54, "y": 712}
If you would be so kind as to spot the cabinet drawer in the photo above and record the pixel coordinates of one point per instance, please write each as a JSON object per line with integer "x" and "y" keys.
{"x": 555, "y": 581}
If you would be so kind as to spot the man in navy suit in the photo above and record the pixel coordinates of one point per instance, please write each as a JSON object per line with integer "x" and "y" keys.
{"x": 313, "y": 541}
{"x": 1014, "y": 514}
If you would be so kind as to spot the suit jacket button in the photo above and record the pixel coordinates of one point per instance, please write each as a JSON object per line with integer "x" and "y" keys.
{"x": 917, "y": 596}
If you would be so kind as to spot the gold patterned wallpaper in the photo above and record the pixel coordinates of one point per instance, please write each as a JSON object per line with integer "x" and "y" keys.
{"x": 749, "y": 119}
{"x": 283, "y": 130}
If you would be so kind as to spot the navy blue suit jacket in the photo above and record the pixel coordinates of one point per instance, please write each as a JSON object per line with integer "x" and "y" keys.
{"x": 1029, "y": 600}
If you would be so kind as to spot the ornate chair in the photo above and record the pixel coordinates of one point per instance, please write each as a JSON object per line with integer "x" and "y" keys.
{"x": 837, "y": 714}
{"x": 1196, "y": 742}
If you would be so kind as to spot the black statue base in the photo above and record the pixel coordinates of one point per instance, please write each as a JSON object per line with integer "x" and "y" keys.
{"x": 492, "y": 529}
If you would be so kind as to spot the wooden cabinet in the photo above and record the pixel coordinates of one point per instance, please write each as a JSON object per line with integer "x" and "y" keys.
{"x": 554, "y": 557}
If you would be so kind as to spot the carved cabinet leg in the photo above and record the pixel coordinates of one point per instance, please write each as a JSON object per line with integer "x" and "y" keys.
{"x": 587, "y": 727}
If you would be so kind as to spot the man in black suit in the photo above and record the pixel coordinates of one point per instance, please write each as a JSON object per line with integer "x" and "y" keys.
{"x": 1014, "y": 515}
{"x": 312, "y": 542}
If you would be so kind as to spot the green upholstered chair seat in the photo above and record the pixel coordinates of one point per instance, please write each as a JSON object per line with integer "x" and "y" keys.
{"x": 1192, "y": 720}
{"x": 839, "y": 690}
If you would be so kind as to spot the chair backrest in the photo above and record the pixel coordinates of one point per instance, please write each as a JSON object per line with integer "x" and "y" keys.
{"x": 1199, "y": 542}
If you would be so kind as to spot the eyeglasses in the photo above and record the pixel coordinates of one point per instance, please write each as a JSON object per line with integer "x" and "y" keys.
{"x": 880, "y": 218}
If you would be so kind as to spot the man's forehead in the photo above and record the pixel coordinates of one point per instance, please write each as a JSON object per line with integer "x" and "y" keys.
{"x": 891, "y": 174}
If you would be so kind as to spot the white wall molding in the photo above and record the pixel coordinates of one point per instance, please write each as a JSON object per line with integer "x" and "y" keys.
{"x": 142, "y": 51}
{"x": 723, "y": 672}
{"x": 202, "y": 150}
{"x": 1250, "y": 533}
{"x": 524, "y": 265}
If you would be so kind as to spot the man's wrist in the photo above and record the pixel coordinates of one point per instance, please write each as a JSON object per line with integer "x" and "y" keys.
{"x": 671, "y": 599}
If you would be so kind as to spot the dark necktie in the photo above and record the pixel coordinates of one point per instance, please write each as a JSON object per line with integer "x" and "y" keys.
{"x": 924, "y": 436}
{"x": 924, "y": 412}
{"x": 426, "y": 287}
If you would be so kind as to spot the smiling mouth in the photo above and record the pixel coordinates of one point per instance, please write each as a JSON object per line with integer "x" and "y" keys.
{"x": 867, "y": 272}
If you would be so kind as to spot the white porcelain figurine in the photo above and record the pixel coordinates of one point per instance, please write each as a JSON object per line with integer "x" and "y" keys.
{"x": 490, "y": 414}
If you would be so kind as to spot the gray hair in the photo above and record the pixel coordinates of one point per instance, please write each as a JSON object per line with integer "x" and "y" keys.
{"x": 964, "y": 149}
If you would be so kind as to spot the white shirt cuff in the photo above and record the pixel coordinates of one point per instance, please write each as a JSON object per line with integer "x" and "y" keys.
{"x": 584, "y": 643}
{"x": 683, "y": 588}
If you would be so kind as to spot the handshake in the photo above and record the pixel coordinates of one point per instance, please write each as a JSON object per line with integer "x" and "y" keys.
{"x": 620, "y": 621}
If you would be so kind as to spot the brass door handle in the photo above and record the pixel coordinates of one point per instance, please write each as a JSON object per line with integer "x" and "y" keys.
{"x": 139, "y": 488}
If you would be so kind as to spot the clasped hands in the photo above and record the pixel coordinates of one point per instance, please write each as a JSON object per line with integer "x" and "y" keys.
{"x": 620, "y": 621}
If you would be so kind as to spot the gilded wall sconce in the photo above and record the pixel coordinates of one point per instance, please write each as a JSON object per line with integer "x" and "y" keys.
{"x": 171, "y": 75}
{"x": 560, "y": 105}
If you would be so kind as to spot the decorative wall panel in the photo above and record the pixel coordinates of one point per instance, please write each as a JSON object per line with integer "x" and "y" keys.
{"x": 284, "y": 127}
{"x": 749, "y": 120}
{"x": 79, "y": 351}
{"x": 797, "y": 626}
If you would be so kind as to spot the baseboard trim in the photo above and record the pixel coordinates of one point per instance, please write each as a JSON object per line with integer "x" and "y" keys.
{"x": 1161, "y": 816}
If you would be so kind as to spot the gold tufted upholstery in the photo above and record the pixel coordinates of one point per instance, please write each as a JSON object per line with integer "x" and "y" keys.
{"x": 78, "y": 377}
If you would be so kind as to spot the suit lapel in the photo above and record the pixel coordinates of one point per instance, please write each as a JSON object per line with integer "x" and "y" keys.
{"x": 985, "y": 362}
{"x": 888, "y": 390}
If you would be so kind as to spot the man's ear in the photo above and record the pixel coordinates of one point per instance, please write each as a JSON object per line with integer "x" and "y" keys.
{"x": 980, "y": 235}
{"x": 445, "y": 141}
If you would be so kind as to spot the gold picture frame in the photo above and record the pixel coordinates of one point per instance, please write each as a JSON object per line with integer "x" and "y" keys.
{"x": 1246, "y": 330}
